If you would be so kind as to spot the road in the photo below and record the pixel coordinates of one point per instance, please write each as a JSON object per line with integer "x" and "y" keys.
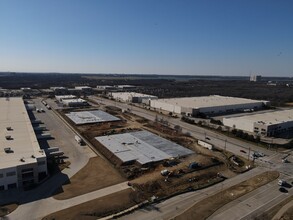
{"x": 178, "y": 204}
{"x": 252, "y": 204}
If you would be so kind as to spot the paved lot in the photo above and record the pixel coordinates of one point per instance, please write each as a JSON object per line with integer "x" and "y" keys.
{"x": 63, "y": 136}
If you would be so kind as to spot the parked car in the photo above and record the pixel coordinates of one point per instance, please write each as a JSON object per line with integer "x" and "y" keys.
{"x": 243, "y": 151}
{"x": 283, "y": 190}
{"x": 282, "y": 182}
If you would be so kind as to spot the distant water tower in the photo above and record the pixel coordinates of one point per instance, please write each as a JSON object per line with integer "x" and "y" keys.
{"x": 255, "y": 78}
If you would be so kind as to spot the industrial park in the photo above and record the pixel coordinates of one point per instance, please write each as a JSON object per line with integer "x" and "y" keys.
{"x": 146, "y": 110}
{"x": 115, "y": 142}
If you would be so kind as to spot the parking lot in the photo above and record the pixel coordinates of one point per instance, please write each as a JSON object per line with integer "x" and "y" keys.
{"x": 62, "y": 136}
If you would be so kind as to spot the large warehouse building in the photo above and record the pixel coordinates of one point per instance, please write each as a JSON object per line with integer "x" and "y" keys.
{"x": 265, "y": 124}
{"x": 133, "y": 97}
{"x": 22, "y": 162}
{"x": 142, "y": 147}
{"x": 89, "y": 117}
{"x": 208, "y": 105}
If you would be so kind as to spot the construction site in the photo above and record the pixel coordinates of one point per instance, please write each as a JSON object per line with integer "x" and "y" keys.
{"x": 157, "y": 160}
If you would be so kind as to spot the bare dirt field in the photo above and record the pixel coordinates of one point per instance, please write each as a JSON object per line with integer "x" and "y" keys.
{"x": 208, "y": 206}
{"x": 96, "y": 175}
{"x": 100, "y": 207}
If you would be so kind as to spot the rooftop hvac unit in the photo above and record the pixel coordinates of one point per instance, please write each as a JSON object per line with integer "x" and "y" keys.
{"x": 8, "y": 137}
{"x": 22, "y": 159}
{"x": 8, "y": 150}
{"x": 8, "y": 128}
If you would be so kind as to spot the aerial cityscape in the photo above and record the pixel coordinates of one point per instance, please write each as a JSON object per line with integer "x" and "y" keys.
{"x": 146, "y": 110}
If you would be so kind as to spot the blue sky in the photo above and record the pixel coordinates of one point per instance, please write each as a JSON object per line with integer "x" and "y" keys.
{"x": 208, "y": 37}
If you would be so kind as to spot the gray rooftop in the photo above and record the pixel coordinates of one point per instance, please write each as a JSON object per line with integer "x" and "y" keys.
{"x": 269, "y": 118}
{"x": 207, "y": 101}
{"x": 87, "y": 117}
{"x": 142, "y": 146}
{"x": 23, "y": 141}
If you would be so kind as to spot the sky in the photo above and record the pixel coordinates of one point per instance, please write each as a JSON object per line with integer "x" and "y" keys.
{"x": 182, "y": 37}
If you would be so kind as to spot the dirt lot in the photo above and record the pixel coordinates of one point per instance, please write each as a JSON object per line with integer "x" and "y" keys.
{"x": 93, "y": 209}
{"x": 96, "y": 175}
{"x": 208, "y": 206}
{"x": 6, "y": 209}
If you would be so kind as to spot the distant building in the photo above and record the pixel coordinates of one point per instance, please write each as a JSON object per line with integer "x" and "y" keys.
{"x": 27, "y": 89}
{"x": 208, "y": 105}
{"x": 133, "y": 97}
{"x": 126, "y": 87}
{"x": 74, "y": 102}
{"x": 265, "y": 124}
{"x": 59, "y": 90}
{"x": 106, "y": 87}
{"x": 60, "y": 98}
{"x": 255, "y": 78}
{"x": 22, "y": 162}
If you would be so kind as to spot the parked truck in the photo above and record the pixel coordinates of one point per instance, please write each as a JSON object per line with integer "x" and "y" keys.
{"x": 78, "y": 140}
{"x": 205, "y": 145}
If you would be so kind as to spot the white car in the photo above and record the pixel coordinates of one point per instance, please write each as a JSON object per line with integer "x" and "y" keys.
{"x": 281, "y": 182}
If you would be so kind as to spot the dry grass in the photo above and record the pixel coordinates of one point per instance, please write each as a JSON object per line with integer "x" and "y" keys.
{"x": 96, "y": 175}
{"x": 208, "y": 206}
{"x": 100, "y": 207}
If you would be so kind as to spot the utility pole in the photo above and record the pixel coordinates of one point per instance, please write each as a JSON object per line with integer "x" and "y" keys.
{"x": 248, "y": 153}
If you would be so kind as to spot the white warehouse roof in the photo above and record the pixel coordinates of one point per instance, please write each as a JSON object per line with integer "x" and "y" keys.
{"x": 268, "y": 118}
{"x": 207, "y": 101}
{"x": 23, "y": 142}
{"x": 132, "y": 94}
{"x": 142, "y": 146}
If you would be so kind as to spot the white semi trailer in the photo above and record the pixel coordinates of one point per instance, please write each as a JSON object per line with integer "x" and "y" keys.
{"x": 205, "y": 145}
{"x": 78, "y": 140}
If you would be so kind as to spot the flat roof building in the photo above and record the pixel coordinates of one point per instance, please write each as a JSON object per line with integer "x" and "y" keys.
{"x": 22, "y": 162}
{"x": 142, "y": 147}
{"x": 133, "y": 97}
{"x": 74, "y": 102}
{"x": 265, "y": 124}
{"x": 126, "y": 87}
{"x": 60, "y": 98}
{"x": 208, "y": 105}
{"x": 88, "y": 117}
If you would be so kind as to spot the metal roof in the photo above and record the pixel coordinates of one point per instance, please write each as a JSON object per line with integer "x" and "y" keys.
{"x": 267, "y": 118}
{"x": 132, "y": 94}
{"x": 207, "y": 101}
{"x": 87, "y": 117}
{"x": 142, "y": 146}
